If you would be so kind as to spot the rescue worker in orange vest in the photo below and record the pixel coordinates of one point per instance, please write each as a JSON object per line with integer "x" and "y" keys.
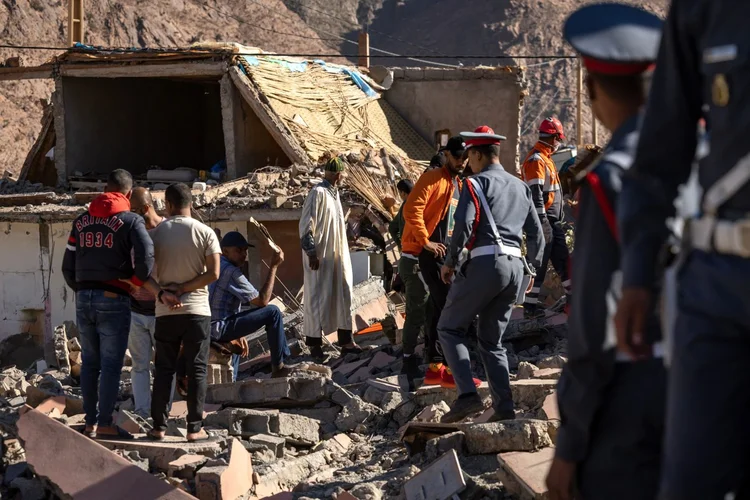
{"x": 540, "y": 173}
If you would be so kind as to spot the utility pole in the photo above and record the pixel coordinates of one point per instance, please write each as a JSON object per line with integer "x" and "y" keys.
{"x": 579, "y": 107}
{"x": 75, "y": 22}
{"x": 363, "y": 51}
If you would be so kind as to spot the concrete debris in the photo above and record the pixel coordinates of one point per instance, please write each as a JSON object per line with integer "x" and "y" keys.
{"x": 433, "y": 413}
{"x": 298, "y": 430}
{"x": 62, "y": 354}
{"x": 354, "y": 413}
{"x": 529, "y": 394}
{"x": 556, "y": 361}
{"x": 548, "y": 373}
{"x": 509, "y": 435}
{"x": 274, "y": 444}
{"x": 526, "y": 370}
{"x": 278, "y": 390}
{"x": 439, "y": 445}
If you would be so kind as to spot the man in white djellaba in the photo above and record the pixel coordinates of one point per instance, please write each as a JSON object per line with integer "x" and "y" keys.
{"x": 327, "y": 265}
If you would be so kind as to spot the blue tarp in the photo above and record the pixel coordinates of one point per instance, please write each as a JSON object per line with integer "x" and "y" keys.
{"x": 353, "y": 74}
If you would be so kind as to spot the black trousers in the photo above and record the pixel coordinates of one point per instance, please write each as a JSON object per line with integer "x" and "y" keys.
{"x": 193, "y": 333}
{"x": 429, "y": 268}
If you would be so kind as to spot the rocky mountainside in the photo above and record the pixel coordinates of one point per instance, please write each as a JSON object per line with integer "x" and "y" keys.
{"x": 428, "y": 28}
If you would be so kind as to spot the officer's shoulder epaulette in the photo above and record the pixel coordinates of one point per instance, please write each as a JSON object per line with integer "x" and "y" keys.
{"x": 536, "y": 156}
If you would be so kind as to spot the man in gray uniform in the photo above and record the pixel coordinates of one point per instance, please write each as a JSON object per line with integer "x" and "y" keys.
{"x": 702, "y": 60}
{"x": 611, "y": 406}
{"x": 493, "y": 211}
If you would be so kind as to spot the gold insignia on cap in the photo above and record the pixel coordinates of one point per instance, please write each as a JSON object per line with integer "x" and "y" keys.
{"x": 720, "y": 90}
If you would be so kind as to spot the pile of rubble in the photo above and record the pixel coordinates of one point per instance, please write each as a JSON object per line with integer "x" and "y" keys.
{"x": 10, "y": 186}
{"x": 352, "y": 428}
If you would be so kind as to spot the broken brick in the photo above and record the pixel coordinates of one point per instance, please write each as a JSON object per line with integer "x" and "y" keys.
{"x": 244, "y": 422}
{"x": 185, "y": 466}
{"x": 226, "y": 482}
{"x": 298, "y": 429}
{"x": 442, "y": 479}
{"x": 81, "y": 468}
{"x": 57, "y": 402}
{"x": 524, "y": 474}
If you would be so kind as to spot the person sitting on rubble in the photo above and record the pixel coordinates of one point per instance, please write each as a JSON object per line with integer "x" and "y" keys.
{"x": 231, "y": 291}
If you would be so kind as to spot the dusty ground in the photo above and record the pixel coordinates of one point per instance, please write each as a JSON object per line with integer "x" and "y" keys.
{"x": 413, "y": 27}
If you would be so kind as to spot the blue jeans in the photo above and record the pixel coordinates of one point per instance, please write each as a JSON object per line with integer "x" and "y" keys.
{"x": 246, "y": 322}
{"x": 141, "y": 344}
{"x": 103, "y": 320}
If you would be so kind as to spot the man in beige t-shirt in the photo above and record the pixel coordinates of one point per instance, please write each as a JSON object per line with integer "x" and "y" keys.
{"x": 187, "y": 255}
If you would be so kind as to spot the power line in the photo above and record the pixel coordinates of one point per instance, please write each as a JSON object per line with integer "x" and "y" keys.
{"x": 128, "y": 50}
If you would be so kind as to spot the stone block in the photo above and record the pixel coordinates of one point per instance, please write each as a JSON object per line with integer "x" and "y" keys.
{"x": 360, "y": 375}
{"x": 439, "y": 445}
{"x": 434, "y": 394}
{"x": 556, "y": 361}
{"x": 390, "y": 402}
{"x": 226, "y": 482}
{"x": 373, "y": 396}
{"x": 526, "y": 370}
{"x": 531, "y": 393}
{"x": 268, "y": 391}
{"x": 524, "y": 474}
{"x": 244, "y": 422}
{"x": 510, "y": 435}
{"x": 547, "y": 373}
{"x": 274, "y": 444}
{"x": 298, "y": 430}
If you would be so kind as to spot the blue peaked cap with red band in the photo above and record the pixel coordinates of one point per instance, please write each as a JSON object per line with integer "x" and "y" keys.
{"x": 614, "y": 38}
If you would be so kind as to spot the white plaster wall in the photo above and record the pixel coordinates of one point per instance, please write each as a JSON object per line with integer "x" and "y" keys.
{"x": 25, "y": 275}
{"x": 21, "y": 282}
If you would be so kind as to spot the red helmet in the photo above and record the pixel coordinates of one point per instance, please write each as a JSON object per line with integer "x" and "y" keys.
{"x": 552, "y": 126}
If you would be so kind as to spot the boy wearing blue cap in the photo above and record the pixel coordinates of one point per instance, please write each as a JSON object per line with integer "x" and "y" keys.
{"x": 611, "y": 405}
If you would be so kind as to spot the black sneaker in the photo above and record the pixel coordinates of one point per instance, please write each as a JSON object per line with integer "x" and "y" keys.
{"x": 317, "y": 354}
{"x": 411, "y": 365}
{"x": 499, "y": 417}
{"x": 465, "y": 406}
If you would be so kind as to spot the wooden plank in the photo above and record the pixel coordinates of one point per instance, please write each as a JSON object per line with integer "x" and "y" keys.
{"x": 26, "y": 73}
{"x": 265, "y": 113}
{"x": 439, "y": 481}
{"x": 209, "y": 69}
{"x": 16, "y": 200}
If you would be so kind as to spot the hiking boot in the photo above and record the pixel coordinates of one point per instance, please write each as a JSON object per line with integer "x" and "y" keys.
{"x": 465, "y": 406}
{"x": 448, "y": 382}
{"x": 505, "y": 415}
{"x": 434, "y": 374}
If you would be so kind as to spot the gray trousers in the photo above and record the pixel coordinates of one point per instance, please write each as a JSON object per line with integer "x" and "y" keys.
{"x": 624, "y": 457}
{"x": 486, "y": 287}
{"x": 706, "y": 451}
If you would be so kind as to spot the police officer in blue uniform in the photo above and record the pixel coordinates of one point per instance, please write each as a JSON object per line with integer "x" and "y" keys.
{"x": 611, "y": 405}
{"x": 702, "y": 60}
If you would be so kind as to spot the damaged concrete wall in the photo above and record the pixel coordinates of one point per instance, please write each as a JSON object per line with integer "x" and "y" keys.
{"x": 31, "y": 276}
{"x": 133, "y": 123}
{"x": 432, "y": 99}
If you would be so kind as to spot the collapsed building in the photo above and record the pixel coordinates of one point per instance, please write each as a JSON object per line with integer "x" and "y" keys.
{"x": 248, "y": 130}
{"x": 252, "y": 125}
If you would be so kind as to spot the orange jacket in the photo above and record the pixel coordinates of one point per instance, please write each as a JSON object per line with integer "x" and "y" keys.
{"x": 425, "y": 208}
{"x": 540, "y": 173}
